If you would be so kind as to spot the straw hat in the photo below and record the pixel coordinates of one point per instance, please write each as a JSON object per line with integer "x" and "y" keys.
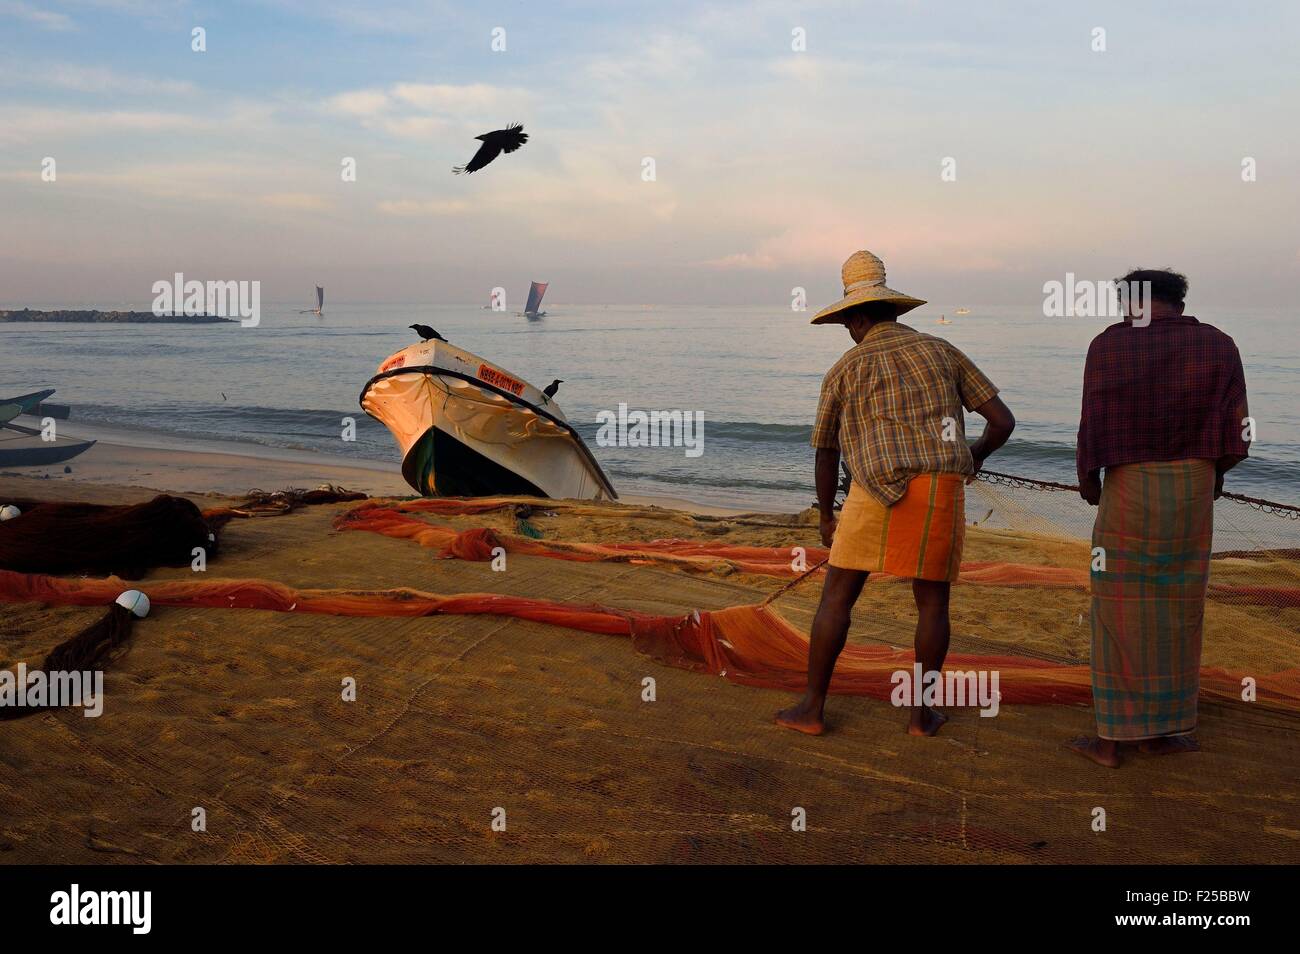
{"x": 864, "y": 280}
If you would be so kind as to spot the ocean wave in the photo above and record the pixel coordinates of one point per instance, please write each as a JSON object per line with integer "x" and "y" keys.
{"x": 742, "y": 455}
{"x": 750, "y": 431}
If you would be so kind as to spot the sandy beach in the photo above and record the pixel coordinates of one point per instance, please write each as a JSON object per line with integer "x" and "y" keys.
{"x": 239, "y": 711}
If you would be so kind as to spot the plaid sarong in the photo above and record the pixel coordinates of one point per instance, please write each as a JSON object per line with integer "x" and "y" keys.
{"x": 1155, "y": 526}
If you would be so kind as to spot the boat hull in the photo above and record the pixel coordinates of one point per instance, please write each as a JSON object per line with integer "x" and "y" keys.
{"x": 442, "y": 466}
{"x": 37, "y": 453}
{"x": 466, "y": 427}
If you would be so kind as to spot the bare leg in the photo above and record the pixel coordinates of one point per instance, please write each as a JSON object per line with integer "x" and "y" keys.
{"x": 829, "y": 630}
{"x": 932, "y": 634}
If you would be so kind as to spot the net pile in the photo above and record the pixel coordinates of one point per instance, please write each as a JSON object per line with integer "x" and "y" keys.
{"x": 94, "y": 538}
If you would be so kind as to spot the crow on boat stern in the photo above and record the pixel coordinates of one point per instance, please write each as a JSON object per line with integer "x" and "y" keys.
{"x": 426, "y": 333}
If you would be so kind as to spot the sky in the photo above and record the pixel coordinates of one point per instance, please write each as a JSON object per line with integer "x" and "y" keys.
{"x": 771, "y": 164}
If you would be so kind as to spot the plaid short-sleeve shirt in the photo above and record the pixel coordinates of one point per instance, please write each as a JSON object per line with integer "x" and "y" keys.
{"x": 893, "y": 407}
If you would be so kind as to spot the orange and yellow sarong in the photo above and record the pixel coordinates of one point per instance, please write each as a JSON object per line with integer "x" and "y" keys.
{"x": 919, "y": 537}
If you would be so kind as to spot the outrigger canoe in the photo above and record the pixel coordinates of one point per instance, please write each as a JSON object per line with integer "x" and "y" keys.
{"x": 26, "y": 446}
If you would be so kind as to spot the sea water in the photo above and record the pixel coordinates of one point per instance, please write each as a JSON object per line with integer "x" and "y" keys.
{"x": 753, "y": 373}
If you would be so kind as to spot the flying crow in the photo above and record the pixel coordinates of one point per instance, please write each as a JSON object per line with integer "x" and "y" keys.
{"x": 425, "y": 332}
{"x": 494, "y": 143}
{"x": 552, "y": 388}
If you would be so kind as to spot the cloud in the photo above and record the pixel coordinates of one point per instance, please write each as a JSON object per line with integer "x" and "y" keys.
{"x": 413, "y": 127}
{"x": 449, "y": 100}
{"x": 800, "y": 245}
{"x": 28, "y": 125}
{"x": 235, "y": 120}
{"x": 296, "y": 201}
{"x": 421, "y": 110}
{"x": 361, "y": 102}
{"x": 424, "y": 207}
{"x": 89, "y": 79}
{"x": 46, "y": 19}
{"x": 827, "y": 238}
{"x": 137, "y": 7}
{"x": 663, "y": 56}
{"x": 228, "y": 182}
{"x": 398, "y": 17}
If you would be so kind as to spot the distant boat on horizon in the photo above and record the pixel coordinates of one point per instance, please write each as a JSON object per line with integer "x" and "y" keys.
{"x": 962, "y": 311}
{"x": 943, "y": 320}
{"x": 320, "y": 303}
{"x": 534, "y": 307}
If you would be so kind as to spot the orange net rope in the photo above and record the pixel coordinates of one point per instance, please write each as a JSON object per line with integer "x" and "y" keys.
{"x": 750, "y": 645}
{"x": 478, "y": 543}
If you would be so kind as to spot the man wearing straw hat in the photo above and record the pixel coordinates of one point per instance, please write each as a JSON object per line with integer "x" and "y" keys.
{"x": 892, "y": 407}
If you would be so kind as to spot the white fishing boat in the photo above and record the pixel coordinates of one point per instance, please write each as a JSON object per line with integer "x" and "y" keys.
{"x": 469, "y": 428}
{"x": 962, "y": 311}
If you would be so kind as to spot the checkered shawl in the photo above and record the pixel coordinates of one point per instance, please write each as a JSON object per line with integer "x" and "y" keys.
{"x": 1172, "y": 390}
{"x": 891, "y": 401}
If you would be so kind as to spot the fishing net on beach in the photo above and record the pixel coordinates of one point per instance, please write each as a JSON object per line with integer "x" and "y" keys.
{"x": 96, "y": 538}
{"x": 481, "y": 543}
{"x": 1256, "y": 556}
{"x": 759, "y": 646}
{"x": 129, "y": 539}
{"x": 750, "y": 644}
{"x": 275, "y": 503}
{"x": 1242, "y": 524}
{"x": 529, "y": 698}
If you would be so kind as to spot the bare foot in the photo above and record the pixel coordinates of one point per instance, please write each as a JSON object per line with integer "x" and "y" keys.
{"x": 802, "y": 717}
{"x": 926, "y": 721}
{"x": 1102, "y": 751}
{"x": 1169, "y": 745}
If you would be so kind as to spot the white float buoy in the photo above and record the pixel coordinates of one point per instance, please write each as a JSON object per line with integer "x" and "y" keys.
{"x": 9, "y": 511}
{"x": 135, "y": 601}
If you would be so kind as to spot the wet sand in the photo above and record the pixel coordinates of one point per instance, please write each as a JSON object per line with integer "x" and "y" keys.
{"x": 187, "y": 466}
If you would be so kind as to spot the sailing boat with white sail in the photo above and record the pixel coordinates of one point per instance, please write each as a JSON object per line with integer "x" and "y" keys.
{"x": 320, "y": 303}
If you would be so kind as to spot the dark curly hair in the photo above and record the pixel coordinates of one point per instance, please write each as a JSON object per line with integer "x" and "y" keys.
{"x": 1167, "y": 285}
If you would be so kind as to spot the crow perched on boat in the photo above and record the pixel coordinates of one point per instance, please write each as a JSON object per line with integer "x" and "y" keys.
{"x": 427, "y": 333}
{"x": 494, "y": 143}
{"x": 552, "y": 388}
